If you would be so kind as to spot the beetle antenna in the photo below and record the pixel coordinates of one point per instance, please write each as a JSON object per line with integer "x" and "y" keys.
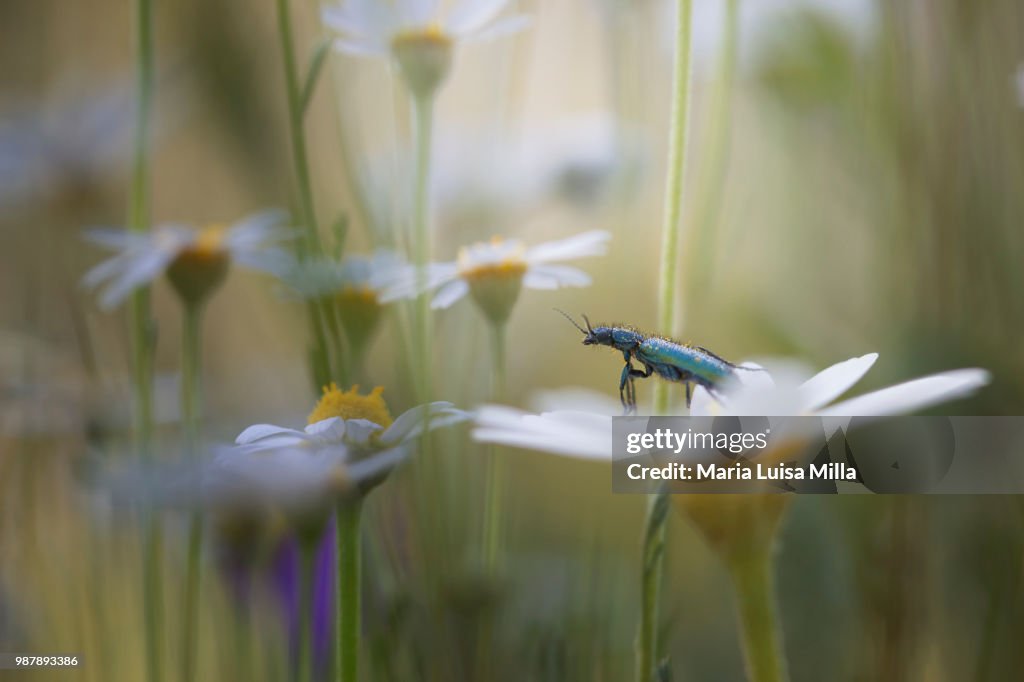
{"x": 589, "y": 328}
{"x": 566, "y": 316}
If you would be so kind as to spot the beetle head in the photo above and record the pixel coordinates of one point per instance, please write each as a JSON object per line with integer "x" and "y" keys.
{"x": 602, "y": 336}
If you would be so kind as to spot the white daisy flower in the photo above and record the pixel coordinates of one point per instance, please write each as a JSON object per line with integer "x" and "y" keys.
{"x": 194, "y": 259}
{"x": 494, "y": 272}
{"x": 354, "y": 287}
{"x": 587, "y": 435}
{"x": 360, "y": 425}
{"x": 68, "y": 141}
{"x": 364, "y": 275}
{"x": 375, "y": 27}
{"x": 414, "y": 33}
{"x": 788, "y": 393}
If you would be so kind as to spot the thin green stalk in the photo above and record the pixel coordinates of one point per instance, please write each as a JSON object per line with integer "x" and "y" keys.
{"x": 653, "y": 568}
{"x": 143, "y": 334}
{"x": 191, "y": 407}
{"x": 755, "y": 596}
{"x": 657, "y": 510}
{"x": 152, "y": 598}
{"x": 307, "y": 574}
{"x": 492, "y": 494}
{"x": 348, "y": 605}
{"x": 423, "y": 113}
{"x": 295, "y": 128}
{"x": 699, "y": 254}
{"x": 310, "y": 244}
{"x": 668, "y": 317}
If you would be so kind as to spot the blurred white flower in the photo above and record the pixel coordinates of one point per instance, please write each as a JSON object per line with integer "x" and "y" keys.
{"x": 196, "y": 259}
{"x": 493, "y": 272}
{"x": 353, "y": 287}
{"x": 302, "y": 485}
{"x": 77, "y": 139}
{"x": 375, "y": 27}
{"x": 366, "y": 275}
{"x": 588, "y": 434}
{"x": 787, "y": 393}
{"x": 582, "y": 160}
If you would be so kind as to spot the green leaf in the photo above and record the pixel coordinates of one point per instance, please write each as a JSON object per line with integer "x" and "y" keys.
{"x": 316, "y": 65}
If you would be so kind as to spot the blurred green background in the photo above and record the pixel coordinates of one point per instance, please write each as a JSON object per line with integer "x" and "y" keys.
{"x": 864, "y": 196}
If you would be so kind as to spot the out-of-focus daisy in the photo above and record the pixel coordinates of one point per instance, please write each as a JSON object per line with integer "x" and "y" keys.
{"x": 360, "y": 424}
{"x": 376, "y": 26}
{"x": 789, "y": 393}
{"x": 494, "y": 272}
{"x": 195, "y": 259}
{"x": 587, "y": 434}
{"x": 65, "y": 144}
{"x": 415, "y": 34}
{"x": 354, "y": 286}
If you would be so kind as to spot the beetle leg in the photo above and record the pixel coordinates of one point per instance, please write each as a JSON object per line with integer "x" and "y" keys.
{"x": 641, "y": 373}
{"x": 626, "y": 395}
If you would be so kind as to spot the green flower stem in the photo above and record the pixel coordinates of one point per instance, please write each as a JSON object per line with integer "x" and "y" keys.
{"x": 499, "y": 336}
{"x": 668, "y": 319}
{"x": 143, "y": 335}
{"x": 657, "y": 510}
{"x": 152, "y": 596}
{"x": 348, "y": 605}
{"x": 492, "y": 494}
{"x": 699, "y": 254}
{"x": 423, "y": 113}
{"x": 307, "y": 574}
{"x": 191, "y": 409}
{"x": 310, "y": 244}
{"x": 295, "y": 128}
{"x": 652, "y": 570}
{"x": 191, "y": 395}
{"x": 755, "y": 596}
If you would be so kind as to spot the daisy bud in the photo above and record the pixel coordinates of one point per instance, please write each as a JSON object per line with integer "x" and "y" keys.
{"x": 359, "y": 310}
{"x": 424, "y": 57}
{"x": 200, "y": 268}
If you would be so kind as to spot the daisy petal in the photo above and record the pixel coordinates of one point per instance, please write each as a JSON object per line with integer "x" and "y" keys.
{"x": 259, "y": 432}
{"x": 359, "y": 431}
{"x": 377, "y": 465}
{"x": 410, "y": 423}
{"x": 702, "y": 404}
{"x": 912, "y": 396}
{"x": 449, "y": 294}
{"x": 360, "y": 48}
{"x": 105, "y": 270}
{"x": 592, "y": 243}
{"x": 830, "y": 383}
{"x": 500, "y": 29}
{"x": 560, "y": 275}
{"x": 574, "y": 434}
{"x": 330, "y": 430}
{"x": 113, "y": 238}
{"x": 137, "y": 271}
{"x": 472, "y": 15}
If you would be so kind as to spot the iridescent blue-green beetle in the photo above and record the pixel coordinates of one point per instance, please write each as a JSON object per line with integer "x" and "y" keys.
{"x": 672, "y": 361}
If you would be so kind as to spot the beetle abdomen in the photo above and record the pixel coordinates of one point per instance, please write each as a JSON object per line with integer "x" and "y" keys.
{"x": 674, "y": 361}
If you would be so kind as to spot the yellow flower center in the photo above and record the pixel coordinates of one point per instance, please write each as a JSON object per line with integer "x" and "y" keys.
{"x": 351, "y": 405}
{"x": 431, "y": 34}
{"x": 511, "y": 265}
{"x": 200, "y": 267}
{"x": 209, "y": 243}
{"x": 361, "y": 296}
